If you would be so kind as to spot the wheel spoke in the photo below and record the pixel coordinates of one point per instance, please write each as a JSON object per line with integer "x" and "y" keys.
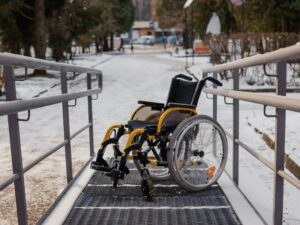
{"x": 196, "y": 167}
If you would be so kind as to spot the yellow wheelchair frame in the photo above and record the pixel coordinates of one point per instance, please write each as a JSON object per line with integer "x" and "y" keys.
{"x": 134, "y": 133}
{"x": 154, "y": 127}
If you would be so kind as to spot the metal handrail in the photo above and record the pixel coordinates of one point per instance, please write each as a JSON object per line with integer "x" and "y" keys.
{"x": 7, "y": 108}
{"x": 255, "y": 154}
{"x": 44, "y": 156}
{"x": 281, "y": 104}
{"x": 9, "y": 181}
{"x": 267, "y": 100}
{"x": 11, "y": 107}
{"x": 289, "y": 178}
{"x": 259, "y": 59}
{"x": 10, "y": 59}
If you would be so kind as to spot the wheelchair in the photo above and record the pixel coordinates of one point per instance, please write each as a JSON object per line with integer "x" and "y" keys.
{"x": 168, "y": 141}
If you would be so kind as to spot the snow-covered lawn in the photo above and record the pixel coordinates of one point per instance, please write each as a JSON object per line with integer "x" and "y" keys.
{"x": 127, "y": 79}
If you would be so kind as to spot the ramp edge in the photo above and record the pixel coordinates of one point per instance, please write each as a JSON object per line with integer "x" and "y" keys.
{"x": 65, "y": 205}
{"x": 243, "y": 209}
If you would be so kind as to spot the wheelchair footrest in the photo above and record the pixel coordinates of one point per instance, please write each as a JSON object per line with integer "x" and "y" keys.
{"x": 100, "y": 167}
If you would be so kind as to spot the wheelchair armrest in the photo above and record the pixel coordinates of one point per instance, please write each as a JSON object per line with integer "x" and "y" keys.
{"x": 171, "y": 104}
{"x": 155, "y": 105}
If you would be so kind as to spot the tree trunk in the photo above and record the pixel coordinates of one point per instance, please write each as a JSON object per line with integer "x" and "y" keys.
{"x": 283, "y": 24}
{"x": 40, "y": 34}
{"x": 111, "y": 41}
{"x": 97, "y": 44}
{"x": 14, "y": 48}
{"x": 27, "y": 50}
{"x": 105, "y": 44}
{"x": 58, "y": 53}
{"x": 69, "y": 50}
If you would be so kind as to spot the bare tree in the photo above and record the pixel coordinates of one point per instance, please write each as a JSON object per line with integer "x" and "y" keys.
{"x": 40, "y": 32}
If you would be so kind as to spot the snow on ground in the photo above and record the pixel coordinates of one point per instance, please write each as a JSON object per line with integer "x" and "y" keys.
{"x": 127, "y": 79}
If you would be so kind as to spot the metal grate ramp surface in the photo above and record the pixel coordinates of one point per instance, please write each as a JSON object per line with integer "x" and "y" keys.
{"x": 100, "y": 204}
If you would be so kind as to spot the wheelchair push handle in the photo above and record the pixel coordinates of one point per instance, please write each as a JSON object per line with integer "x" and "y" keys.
{"x": 184, "y": 77}
{"x": 213, "y": 80}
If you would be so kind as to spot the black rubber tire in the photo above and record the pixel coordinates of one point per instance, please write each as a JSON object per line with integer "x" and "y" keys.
{"x": 114, "y": 180}
{"x": 177, "y": 133}
{"x": 146, "y": 191}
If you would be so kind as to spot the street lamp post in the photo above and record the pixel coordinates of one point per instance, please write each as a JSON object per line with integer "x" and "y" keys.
{"x": 187, "y": 4}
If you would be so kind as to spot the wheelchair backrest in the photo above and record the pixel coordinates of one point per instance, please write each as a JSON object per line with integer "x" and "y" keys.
{"x": 184, "y": 91}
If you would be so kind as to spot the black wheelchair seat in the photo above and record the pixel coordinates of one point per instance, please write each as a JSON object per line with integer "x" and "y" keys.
{"x": 136, "y": 124}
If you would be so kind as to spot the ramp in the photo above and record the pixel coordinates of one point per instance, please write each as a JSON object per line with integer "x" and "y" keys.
{"x": 99, "y": 204}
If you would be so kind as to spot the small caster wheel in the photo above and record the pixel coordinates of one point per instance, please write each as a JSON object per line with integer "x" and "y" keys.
{"x": 115, "y": 173}
{"x": 115, "y": 180}
{"x": 146, "y": 191}
{"x": 146, "y": 185}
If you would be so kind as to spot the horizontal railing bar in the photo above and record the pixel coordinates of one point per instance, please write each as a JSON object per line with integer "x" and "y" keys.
{"x": 281, "y": 102}
{"x": 7, "y": 108}
{"x": 270, "y": 90}
{"x": 228, "y": 134}
{"x": 33, "y": 63}
{"x": 255, "y": 154}
{"x": 56, "y": 148}
{"x": 9, "y": 181}
{"x": 80, "y": 130}
{"x": 259, "y": 59}
{"x": 251, "y": 151}
{"x": 58, "y": 199}
{"x": 44, "y": 156}
{"x": 289, "y": 178}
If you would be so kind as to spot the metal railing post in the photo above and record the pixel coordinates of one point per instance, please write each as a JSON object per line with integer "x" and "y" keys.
{"x": 215, "y": 100}
{"x": 66, "y": 121}
{"x": 15, "y": 143}
{"x": 215, "y": 116}
{"x": 235, "y": 160}
{"x": 90, "y": 112}
{"x": 279, "y": 147}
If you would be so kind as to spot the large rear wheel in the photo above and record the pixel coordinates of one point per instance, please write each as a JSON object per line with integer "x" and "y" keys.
{"x": 198, "y": 153}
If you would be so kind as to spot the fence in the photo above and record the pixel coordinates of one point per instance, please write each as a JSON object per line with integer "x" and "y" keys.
{"x": 280, "y": 102}
{"x": 12, "y": 106}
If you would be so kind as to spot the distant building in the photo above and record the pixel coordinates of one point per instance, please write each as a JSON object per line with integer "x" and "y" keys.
{"x": 145, "y": 25}
{"x": 142, "y": 28}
